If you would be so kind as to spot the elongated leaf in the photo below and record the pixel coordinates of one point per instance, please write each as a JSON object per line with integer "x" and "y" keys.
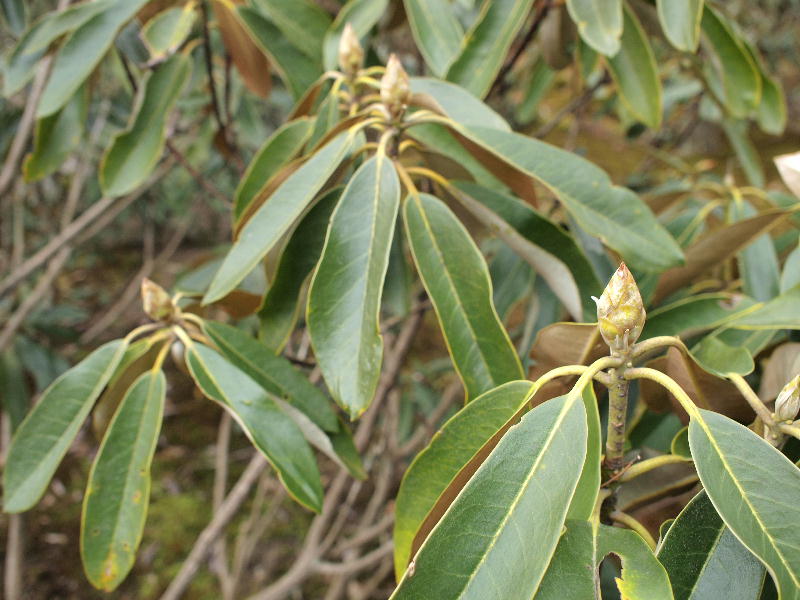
{"x": 46, "y": 433}
{"x": 497, "y": 538}
{"x": 790, "y": 277}
{"x": 754, "y": 489}
{"x": 544, "y": 233}
{"x": 283, "y": 145}
{"x": 82, "y": 52}
{"x": 436, "y": 31}
{"x": 746, "y": 152}
{"x": 779, "y": 313}
{"x": 302, "y": 22}
{"x": 731, "y": 65}
{"x": 15, "y": 14}
{"x": 118, "y": 492}
{"x": 295, "y": 68}
{"x": 688, "y": 316}
{"x": 455, "y": 102}
{"x": 635, "y": 73}
{"x": 164, "y": 33}
{"x": 680, "y": 20}
{"x": 452, "y": 447}
{"x": 14, "y": 393}
{"x": 615, "y": 214}
{"x": 33, "y": 45}
{"x": 718, "y": 565}
{"x": 362, "y": 15}
{"x": 719, "y": 358}
{"x": 573, "y": 572}
{"x": 345, "y": 296}
{"x": 274, "y": 218}
{"x": 56, "y": 137}
{"x": 457, "y": 279}
{"x": 771, "y": 114}
{"x": 271, "y": 430}
{"x": 585, "y": 498}
{"x": 599, "y": 23}
{"x": 758, "y": 262}
{"x": 134, "y": 153}
{"x": 274, "y": 373}
{"x": 486, "y": 44}
{"x": 279, "y": 311}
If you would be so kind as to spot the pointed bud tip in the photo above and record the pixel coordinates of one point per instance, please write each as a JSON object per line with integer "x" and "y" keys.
{"x": 787, "y": 404}
{"x": 620, "y": 311}
{"x": 395, "y": 86}
{"x": 156, "y": 302}
{"x": 351, "y": 54}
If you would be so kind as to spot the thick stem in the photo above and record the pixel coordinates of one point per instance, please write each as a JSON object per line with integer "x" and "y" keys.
{"x": 617, "y": 415}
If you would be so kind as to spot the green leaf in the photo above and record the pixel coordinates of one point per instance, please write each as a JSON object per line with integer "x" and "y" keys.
{"x": 15, "y": 14}
{"x": 635, "y": 73}
{"x": 455, "y": 102}
{"x": 719, "y": 358}
{"x": 279, "y": 311}
{"x": 790, "y": 277}
{"x": 754, "y": 489}
{"x": 779, "y": 313}
{"x": 746, "y": 153}
{"x": 599, "y": 23}
{"x": 302, "y": 22}
{"x": 274, "y": 373}
{"x": 539, "y": 83}
{"x": 134, "y": 153}
{"x": 574, "y": 570}
{"x": 691, "y": 315}
{"x": 362, "y": 15}
{"x": 771, "y": 113}
{"x": 731, "y": 65}
{"x": 436, "y": 31}
{"x": 164, "y": 33}
{"x": 717, "y": 565}
{"x": 680, "y": 20}
{"x": 13, "y": 388}
{"x": 497, "y": 538}
{"x": 274, "y": 218}
{"x": 486, "y": 44}
{"x": 758, "y": 262}
{"x": 295, "y": 68}
{"x": 585, "y": 498}
{"x": 118, "y": 492}
{"x": 545, "y": 233}
{"x": 34, "y": 43}
{"x": 345, "y": 296}
{"x": 82, "y": 52}
{"x": 457, "y": 279}
{"x": 47, "y": 432}
{"x": 450, "y": 449}
{"x": 614, "y": 214}
{"x": 270, "y": 429}
{"x": 56, "y": 137}
{"x": 285, "y": 143}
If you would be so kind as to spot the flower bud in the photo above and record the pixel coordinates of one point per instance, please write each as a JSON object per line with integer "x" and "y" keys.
{"x": 156, "y": 303}
{"x": 787, "y": 405}
{"x": 620, "y": 311}
{"x": 351, "y": 55}
{"x": 395, "y": 87}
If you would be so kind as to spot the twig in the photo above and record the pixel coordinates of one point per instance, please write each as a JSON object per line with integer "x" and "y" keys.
{"x": 574, "y": 105}
{"x": 353, "y": 566}
{"x": 210, "y": 72}
{"x": 219, "y": 560}
{"x": 206, "y": 183}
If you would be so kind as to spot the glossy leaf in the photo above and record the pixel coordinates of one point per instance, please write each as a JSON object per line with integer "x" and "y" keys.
{"x": 754, "y": 489}
{"x": 486, "y": 44}
{"x": 451, "y": 448}
{"x": 704, "y": 559}
{"x": 731, "y": 65}
{"x": 574, "y": 569}
{"x": 135, "y": 152}
{"x": 275, "y": 217}
{"x": 680, "y": 20}
{"x": 457, "y": 279}
{"x": 362, "y": 15}
{"x": 779, "y": 313}
{"x": 46, "y": 433}
{"x": 635, "y": 73}
{"x": 118, "y": 492}
{"x": 719, "y": 358}
{"x": 302, "y": 22}
{"x": 82, "y": 52}
{"x": 274, "y": 373}
{"x": 615, "y": 214}
{"x": 345, "y": 296}
{"x": 56, "y": 137}
{"x": 455, "y": 102}
{"x": 164, "y": 33}
{"x": 270, "y": 429}
{"x": 295, "y": 68}
{"x": 585, "y": 498}
{"x": 691, "y": 315}
{"x": 436, "y": 32}
{"x": 497, "y": 538}
{"x": 279, "y": 311}
{"x": 280, "y": 147}
{"x": 599, "y": 23}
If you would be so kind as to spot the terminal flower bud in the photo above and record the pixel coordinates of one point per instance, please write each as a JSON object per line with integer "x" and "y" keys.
{"x": 395, "y": 87}
{"x": 620, "y": 311}
{"x": 156, "y": 302}
{"x": 787, "y": 405}
{"x": 351, "y": 54}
